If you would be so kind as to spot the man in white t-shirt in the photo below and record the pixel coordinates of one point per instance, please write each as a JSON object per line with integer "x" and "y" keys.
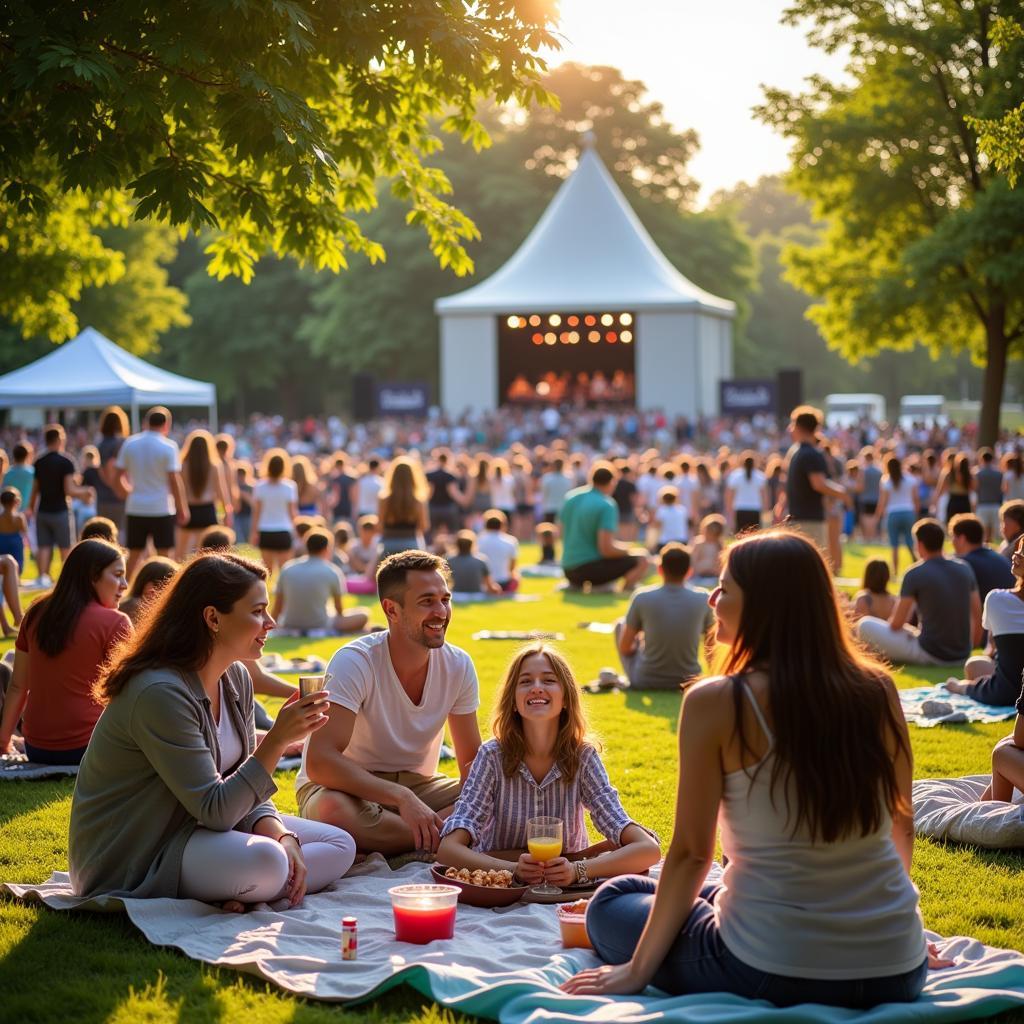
{"x": 150, "y": 474}
{"x": 500, "y": 549}
{"x": 372, "y": 770}
{"x": 368, "y": 489}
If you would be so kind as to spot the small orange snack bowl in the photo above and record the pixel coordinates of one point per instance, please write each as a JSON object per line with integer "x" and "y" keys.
{"x": 572, "y": 921}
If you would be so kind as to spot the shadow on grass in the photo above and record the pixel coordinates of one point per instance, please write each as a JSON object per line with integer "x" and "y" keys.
{"x": 661, "y": 703}
{"x": 18, "y": 798}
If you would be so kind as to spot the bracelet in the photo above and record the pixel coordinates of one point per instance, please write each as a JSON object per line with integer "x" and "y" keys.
{"x": 298, "y": 841}
{"x": 582, "y": 878}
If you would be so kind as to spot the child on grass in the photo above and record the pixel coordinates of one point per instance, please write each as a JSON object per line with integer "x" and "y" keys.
{"x": 706, "y": 552}
{"x": 13, "y": 527}
{"x": 540, "y": 762}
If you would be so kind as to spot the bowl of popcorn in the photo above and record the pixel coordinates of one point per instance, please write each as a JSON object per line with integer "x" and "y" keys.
{"x": 480, "y": 887}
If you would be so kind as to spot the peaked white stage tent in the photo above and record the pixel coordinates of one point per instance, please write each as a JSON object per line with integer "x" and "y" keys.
{"x": 90, "y": 372}
{"x": 588, "y": 263}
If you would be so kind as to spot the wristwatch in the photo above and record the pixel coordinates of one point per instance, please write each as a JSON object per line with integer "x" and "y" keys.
{"x": 298, "y": 841}
{"x": 582, "y": 878}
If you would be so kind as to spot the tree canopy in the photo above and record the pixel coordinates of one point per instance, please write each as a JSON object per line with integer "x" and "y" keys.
{"x": 924, "y": 241}
{"x": 267, "y": 125}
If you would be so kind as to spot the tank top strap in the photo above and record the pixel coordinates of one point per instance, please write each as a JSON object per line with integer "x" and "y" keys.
{"x": 756, "y": 708}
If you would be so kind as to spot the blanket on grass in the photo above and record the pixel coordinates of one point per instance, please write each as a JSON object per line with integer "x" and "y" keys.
{"x": 951, "y": 809}
{"x": 18, "y": 768}
{"x": 932, "y": 705}
{"x": 503, "y": 965}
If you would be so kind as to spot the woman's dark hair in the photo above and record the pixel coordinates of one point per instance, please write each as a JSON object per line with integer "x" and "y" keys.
{"x": 114, "y": 422}
{"x": 55, "y": 616}
{"x": 153, "y": 570}
{"x": 172, "y": 632}
{"x": 748, "y": 464}
{"x": 198, "y": 461}
{"x": 894, "y": 468}
{"x": 962, "y": 470}
{"x": 876, "y": 576}
{"x": 832, "y": 717}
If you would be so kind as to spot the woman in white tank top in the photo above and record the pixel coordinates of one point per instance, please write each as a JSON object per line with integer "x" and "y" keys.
{"x": 802, "y": 753}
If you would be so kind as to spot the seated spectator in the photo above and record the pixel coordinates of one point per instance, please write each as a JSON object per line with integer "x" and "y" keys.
{"x": 173, "y": 796}
{"x": 150, "y": 578}
{"x": 539, "y": 726}
{"x": 13, "y": 527}
{"x": 996, "y": 678}
{"x": 362, "y": 555}
{"x": 990, "y": 568}
{"x": 305, "y": 587}
{"x": 948, "y": 609}
{"x": 1011, "y": 526}
{"x": 874, "y": 598}
{"x": 342, "y": 539}
{"x": 64, "y": 641}
{"x": 99, "y": 528}
{"x": 547, "y": 536}
{"x": 590, "y": 552}
{"x": 660, "y": 639}
{"x": 217, "y": 538}
{"x": 471, "y": 574}
{"x": 373, "y": 770}
{"x": 707, "y": 551}
{"x": 671, "y": 518}
{"x": 500, "y": 549}
{"x": 9, "y": 583}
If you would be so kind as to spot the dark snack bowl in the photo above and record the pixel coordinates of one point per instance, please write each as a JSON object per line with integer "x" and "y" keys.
{"x": 479, "y": 895}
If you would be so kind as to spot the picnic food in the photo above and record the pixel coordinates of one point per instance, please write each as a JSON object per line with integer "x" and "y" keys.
{"x": 478, "y": 876}
{"x": 572, "y": 922}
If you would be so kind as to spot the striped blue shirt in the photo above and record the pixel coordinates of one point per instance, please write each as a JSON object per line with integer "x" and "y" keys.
{"x": 494, "y": 808}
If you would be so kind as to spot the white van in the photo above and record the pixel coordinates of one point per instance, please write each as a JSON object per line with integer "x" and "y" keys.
{"x": 922, "y": 409}
{"x": 846, "y": 410}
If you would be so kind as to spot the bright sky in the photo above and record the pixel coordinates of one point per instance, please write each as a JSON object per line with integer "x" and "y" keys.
{"x": 705, "y": 61}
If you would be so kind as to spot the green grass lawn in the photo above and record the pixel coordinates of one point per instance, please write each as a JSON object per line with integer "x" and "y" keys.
{"x": 87, "y": 967}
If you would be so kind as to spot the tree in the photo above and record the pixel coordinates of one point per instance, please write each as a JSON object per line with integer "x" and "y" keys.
{"x": 924, "y": 242}
{"x": 267, "y": 123}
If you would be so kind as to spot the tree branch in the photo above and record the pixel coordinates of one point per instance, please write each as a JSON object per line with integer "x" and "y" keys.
{"x": 951, "y": 106}
{"x": 152, "y": 62}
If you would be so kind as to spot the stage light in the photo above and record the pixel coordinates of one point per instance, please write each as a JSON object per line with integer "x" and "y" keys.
{"x": 612, "y": 337}
{"x": 513, "y": 321}
{"x": 574, "y": 336}
{"x": 543, "y": 388}
{"x": 607, "y": 319}
{"x": 590, "y": 320}
{"x": 538, "y": 338}
{"x": 573, "y": 321}
{"x": 554, "y": 319}
{"x": 550, "y": 338}
{"x": 626, "y": 337}
{"x": 564, "y": 337}
{"x": 625, "y": 320}
{"x": 535, "y": 320}
{"x": 594, "y": 336}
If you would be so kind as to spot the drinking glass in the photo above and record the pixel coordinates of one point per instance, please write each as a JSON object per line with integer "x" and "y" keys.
{"x": 544, "y": 841}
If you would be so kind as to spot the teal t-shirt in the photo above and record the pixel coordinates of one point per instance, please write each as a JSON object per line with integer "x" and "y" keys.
{"x": 585, "y": 511}
{"x": 20, "y": 478}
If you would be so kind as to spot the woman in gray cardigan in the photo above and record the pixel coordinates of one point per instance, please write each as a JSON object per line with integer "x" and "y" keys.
{"x": 172, "y": 799}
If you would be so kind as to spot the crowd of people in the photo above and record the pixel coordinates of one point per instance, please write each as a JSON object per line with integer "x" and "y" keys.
{"x": 144, "y": 671}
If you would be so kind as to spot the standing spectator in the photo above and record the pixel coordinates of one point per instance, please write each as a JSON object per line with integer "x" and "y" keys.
{"x": 746, "y": 495}
{"x": 1013, "y": 476}
{"x": 988, "y": 484}
{"x": 21, "y": 474}
{"x": 445, "y": 497}
{"x": 113, "y": 431}
{"x": 554, "y": 486}
{"x": 871, "y": 481}
{"x": 503, "y": 492}
{"x": 402, "y": 508}
{"x": 946, "y": 595}
{"x": 590, "y": 552}
{"x": 672, "y": 519}
{"x": 807, "y": 482}
{"x": 990, "y": 568}
{"x": 84, "y": 510}
{"x": 242, "y": 498}
{"x": 53, "y": 485}
{"x": 204, "y": 488}
{"x": 341, "y": 486}
{"x": 225, "y": 445}
{"x": 478, "y": 491}
{"x": 149, "y": 471}
{"x": 275, "y": 505}
{"x": 368, "y": 489}
{"x": 13, "y": 527}
{"x": 625, "y": 496}
{"x": 660, "y": 638}
{"x": 308, "y": 486}
{"x": 1011, "y": 526}
{"x": 898, "y": 508}
{"x": 957, "y": 486}
{"x": 522, "y": 483}
{"x": 500, "y": 549}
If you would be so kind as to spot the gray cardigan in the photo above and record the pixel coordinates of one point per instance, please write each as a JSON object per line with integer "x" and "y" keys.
{"x": 149, "y": 778}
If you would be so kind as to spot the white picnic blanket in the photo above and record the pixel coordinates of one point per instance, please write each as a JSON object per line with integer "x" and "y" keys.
{"x": 17, "y": 768}
{"x": 951, "y": 809}
{"x": 504, "y": 965}
{"x": 932, "y": 705}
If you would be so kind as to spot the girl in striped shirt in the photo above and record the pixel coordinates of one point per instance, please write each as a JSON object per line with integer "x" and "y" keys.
{"x": 541, "y": 763}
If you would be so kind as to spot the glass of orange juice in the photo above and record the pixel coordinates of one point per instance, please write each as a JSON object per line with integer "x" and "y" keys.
{"x": 544, "y": 841}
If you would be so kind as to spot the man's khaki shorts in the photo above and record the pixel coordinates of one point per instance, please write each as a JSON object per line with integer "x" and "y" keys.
{"x": 436, "y": 791}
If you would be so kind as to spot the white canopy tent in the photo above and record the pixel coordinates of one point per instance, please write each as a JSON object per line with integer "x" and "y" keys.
{"x": 589, "y": 252}
{"x": 90, "y": 372}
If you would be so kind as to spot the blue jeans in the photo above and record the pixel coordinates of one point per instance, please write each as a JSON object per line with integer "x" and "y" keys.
{"x": 699, "y": 961}
{"x": 61, "y": 757}
{"x": 899, "y": 526}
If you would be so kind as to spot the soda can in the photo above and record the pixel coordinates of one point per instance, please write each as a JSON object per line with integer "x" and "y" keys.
{"x": 349, "y": 941}
{"x": 310, "y": 684}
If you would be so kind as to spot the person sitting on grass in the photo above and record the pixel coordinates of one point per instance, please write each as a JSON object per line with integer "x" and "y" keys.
{"x": 362, "y": 554}
{"x": 660, "y": 638}
{"x": 706, "y": 552}
{"x": 1011, "y": 526}
{"x": 800, "y": 754}
{"x": 991, "y": 570}
{"x": 173, "y": 795}
{"x": 500, "y": 549}
{"x": 373, "y": 769}
{"x": 995, "y": 678}
{"x": 471, "y": 574}
{"x": 14, "y": 539}
{"x": 874, "y": 598}
{"x": 945, "y": 593}
{"x": 99, "y": 528}
{"x": 150, "y": 578}
{"x": 218, "y": 538}
{"x": 342, "y": 538}
{"x": 10, "y": 580}
{"x": 672, "y": 519}
{"x": 547, "y": 536}
{"x": 541, "y": 761}
{"x": 305, "y": 587}
{"x": 64, "y": 640}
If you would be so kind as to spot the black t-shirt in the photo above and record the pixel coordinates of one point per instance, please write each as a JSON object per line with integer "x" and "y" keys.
{"x": 51, "y": 469}
{"x": 623, "y": 496}
{"x": 342, "y": 484}
{"x": 804, "y": 501}
{"x": 439, "y": 480}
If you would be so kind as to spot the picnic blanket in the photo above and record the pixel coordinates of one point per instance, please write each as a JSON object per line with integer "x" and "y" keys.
{"x": 504, "y": 965}
{"x": 548, "y": 572}
{"x": 932, "y": 705}
{"x": 18, "y": 768}
{"x": 951, "y": 809}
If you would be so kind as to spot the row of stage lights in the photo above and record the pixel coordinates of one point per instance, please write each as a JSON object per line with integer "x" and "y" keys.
{"x": 574, "y": 337}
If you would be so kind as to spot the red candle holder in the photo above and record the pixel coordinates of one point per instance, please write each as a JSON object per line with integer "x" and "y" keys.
{"x": 424, "y": 913}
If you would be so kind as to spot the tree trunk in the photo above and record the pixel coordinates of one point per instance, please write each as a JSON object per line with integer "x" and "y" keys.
{"x": 996, "y": 347}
